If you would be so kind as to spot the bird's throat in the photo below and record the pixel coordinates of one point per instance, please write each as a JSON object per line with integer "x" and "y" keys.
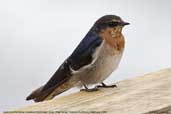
{"x": 113, "y": 38}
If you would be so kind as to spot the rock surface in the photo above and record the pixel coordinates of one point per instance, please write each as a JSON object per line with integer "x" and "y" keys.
{"x": 146, "y": 94}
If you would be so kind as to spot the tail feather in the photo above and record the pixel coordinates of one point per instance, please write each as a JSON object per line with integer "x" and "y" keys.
{"x": 40, "y": 95}
{"x": 35, "y": 93}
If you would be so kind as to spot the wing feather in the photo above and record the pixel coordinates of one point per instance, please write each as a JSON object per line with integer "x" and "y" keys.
{"x": 82, "y": 56}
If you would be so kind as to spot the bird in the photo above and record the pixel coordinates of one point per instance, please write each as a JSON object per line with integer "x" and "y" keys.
{"x": 94, "y": 59}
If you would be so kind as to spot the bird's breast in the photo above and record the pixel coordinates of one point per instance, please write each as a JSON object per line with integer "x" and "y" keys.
{"x": 107, "y": 60}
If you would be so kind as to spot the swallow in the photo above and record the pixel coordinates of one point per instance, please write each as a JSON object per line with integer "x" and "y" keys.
{"x": 93, "y": 60}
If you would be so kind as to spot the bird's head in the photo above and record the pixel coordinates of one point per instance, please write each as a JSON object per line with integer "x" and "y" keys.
{"x": 110, "y": 21}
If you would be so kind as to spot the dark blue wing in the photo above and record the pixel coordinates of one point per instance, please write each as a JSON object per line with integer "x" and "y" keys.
{"x": 82, "y": 55}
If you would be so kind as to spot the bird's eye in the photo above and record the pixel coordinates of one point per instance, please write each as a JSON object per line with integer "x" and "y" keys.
{"x": 112, "y": 24}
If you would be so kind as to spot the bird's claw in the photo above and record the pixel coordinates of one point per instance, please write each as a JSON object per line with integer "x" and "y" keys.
{"x": 106, "y": 86}
{"x": 90, "y": 90}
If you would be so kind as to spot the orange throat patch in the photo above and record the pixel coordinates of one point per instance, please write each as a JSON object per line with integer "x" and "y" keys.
{"x": 113, "y": 38}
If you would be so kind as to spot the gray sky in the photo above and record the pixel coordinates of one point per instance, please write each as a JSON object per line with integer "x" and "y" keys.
{"x": 36, "y": 36}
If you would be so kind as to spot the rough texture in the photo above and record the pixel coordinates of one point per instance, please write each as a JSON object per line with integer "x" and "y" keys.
{"x": 143, "y": 94}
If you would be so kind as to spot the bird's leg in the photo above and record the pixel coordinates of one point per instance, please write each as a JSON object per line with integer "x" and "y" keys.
{"x": 106, "y": 86}
{"x": 89, "y": 90}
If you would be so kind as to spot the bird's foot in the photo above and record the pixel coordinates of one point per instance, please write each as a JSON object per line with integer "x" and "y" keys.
{"x": 89, "y": 90}
{"x": 106, "y": 86}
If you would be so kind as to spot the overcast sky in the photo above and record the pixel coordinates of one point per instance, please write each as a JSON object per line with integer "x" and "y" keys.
{"x": 36, "y": 36}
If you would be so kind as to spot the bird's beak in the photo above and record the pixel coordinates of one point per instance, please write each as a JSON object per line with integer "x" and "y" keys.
{"x": 124, "y": 23}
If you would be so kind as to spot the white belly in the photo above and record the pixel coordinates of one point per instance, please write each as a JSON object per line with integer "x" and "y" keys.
{"x": 106, "y": 62}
